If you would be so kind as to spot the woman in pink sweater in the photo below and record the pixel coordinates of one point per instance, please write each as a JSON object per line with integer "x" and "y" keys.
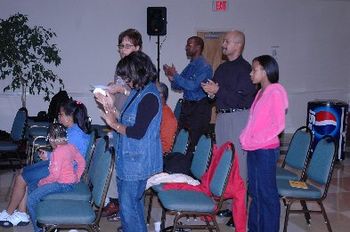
{"x": 260, "y": 138}
{"x": 62, "y": 174}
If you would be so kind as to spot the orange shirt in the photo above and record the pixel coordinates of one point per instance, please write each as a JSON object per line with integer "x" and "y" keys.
{"x": 168, "y": 128}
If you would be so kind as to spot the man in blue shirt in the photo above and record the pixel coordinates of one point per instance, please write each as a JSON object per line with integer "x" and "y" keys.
{"x": 196, "y": 110}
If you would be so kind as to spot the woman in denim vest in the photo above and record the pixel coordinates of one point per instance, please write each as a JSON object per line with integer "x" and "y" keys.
{"x": 139, "y": 153}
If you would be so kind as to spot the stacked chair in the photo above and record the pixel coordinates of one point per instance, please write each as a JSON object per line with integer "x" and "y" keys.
{"x": 317, "y": 179}
{"x": 68, "y": 210}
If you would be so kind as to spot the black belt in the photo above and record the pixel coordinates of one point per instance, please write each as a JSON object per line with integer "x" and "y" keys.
{"x": 231, "y": 110}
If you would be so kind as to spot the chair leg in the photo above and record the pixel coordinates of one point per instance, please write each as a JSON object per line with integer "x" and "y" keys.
{"x": 325, "y": 216}
{"x": 149, "y": 210}
{"x": 287, "y": 216}
{"x": 217, "y": 228}
{"x": 306, "y": 211}
{"x": 162, "y": 225}
{"x": 176, "y": 220}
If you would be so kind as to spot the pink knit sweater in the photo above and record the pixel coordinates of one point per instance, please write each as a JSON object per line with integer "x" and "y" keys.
{"x": 266, "y": 119}
{"x": 62, "y": 166}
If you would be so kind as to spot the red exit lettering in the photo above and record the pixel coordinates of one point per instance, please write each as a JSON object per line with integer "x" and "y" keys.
{"x": 220, "y": 5}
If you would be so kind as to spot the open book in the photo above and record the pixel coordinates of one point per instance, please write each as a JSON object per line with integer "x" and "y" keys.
{"x": 298, "y": 184}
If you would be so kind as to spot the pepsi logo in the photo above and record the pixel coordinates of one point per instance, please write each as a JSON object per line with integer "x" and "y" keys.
{"x": 325, "y": 123}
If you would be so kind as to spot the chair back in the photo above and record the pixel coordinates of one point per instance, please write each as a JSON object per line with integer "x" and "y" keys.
{"x": 91, "y": 146}
{"x": 89, "y": 152}
{"x": 19, "y": 125}
{"x": 322, "y": 162}
{"x": 100, "y": 148}
{"x": 299, "y": 149}
{"x": 100, "y": 180}
{"x": 177, "y": 109}
{"x": 201, "y": 157}
{"x": 221, "y": 175}
{"x": 181, "y": 142}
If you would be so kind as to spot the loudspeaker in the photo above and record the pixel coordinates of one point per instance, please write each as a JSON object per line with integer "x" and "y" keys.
{"x": 156, "y": 20}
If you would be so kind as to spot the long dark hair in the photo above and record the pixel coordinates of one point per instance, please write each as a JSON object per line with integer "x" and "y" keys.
{"x": 138, "y": 69}
{"x": 78, "y": 111}
{"x": 270, "y": 66}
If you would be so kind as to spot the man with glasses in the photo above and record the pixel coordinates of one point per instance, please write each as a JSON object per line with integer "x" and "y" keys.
{"x": 233, "y": 92}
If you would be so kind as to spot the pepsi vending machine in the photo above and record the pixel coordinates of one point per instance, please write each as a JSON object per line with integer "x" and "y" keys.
{"x": 328, "y": 117}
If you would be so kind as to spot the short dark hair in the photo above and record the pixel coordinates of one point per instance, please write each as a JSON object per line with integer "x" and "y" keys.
{"x": 163, "y": 89}
{"x": 133, "y": 34}
{"x": 199, "y": 41}
{"x": 270, "y": 66}
{"x": 138, "y": 69}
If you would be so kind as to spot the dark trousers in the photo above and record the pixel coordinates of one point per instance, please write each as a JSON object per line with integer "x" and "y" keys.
{"x": 195, "y": 117}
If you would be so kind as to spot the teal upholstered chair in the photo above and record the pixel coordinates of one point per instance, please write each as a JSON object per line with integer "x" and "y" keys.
{"x": 81, "y": 191}
{"x": 9, "y": 149}
{"x": 69, "y": 214}
{"x": 297, "y": 156}
{"x": 177, "y": 109}
{"x": 180, "y": 142}
{"x": 317, "y": 176}
{"x": 200, "y": 163}
{"x": 184, "y": 203}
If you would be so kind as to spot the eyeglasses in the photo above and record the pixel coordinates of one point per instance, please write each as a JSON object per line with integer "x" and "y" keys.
{"x": 126, "y": 46}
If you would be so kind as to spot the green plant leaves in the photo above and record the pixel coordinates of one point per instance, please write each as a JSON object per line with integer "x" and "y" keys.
{"x": 26, "y": 56}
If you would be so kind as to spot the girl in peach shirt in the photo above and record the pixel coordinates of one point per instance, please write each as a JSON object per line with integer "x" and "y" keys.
{"x": 62, "y": 172}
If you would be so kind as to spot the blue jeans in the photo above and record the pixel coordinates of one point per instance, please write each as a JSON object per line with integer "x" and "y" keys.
{"x": 131, "y": 203}
{"x": 39, "y": 193}
{"x": 32, "y": 174}
{"x": 264, "y": 210}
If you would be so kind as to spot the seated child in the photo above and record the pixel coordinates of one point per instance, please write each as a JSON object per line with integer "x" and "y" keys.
{"x": 63, "y": 173}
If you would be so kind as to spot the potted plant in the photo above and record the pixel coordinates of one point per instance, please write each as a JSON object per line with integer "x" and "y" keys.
{"x": 27, "y": 56}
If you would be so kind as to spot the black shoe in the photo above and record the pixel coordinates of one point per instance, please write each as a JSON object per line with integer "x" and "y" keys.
{"x": 224, "y": 213}
{"x": 230, "y": 223}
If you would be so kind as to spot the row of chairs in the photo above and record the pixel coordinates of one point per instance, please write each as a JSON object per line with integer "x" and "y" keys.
{"x": 314, "y": 167}
{"x": 76, "y": 209}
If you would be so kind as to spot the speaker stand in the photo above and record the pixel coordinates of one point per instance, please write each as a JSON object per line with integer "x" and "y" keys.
{"x": 158, "y": 58}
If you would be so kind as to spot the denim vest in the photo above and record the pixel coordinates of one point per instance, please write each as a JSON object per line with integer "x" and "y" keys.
{"x": 138, "y": 159}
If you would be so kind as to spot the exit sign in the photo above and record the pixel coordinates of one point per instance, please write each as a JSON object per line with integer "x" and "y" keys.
{"x": 219, "y": 5}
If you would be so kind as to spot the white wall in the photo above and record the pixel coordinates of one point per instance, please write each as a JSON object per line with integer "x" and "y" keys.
{"x": 311, "y": 38}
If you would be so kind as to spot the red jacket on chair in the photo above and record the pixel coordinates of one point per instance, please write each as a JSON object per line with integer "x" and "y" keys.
{"x": 235, "y": 190}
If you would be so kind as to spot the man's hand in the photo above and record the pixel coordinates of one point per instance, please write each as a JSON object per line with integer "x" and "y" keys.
{"x": 169, "y": 71}
{"x": 211, "y": 88}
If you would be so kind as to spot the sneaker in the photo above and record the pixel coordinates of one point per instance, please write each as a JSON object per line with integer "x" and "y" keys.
{"x": 4, "y": 215}
{"x": 16, "y": 219}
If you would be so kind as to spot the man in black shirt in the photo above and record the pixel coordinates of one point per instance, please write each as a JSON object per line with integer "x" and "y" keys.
{"x": 233, "y": 92}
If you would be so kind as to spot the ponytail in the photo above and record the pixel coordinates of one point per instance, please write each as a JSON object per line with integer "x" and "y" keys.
{"x": 78, "y": 111}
